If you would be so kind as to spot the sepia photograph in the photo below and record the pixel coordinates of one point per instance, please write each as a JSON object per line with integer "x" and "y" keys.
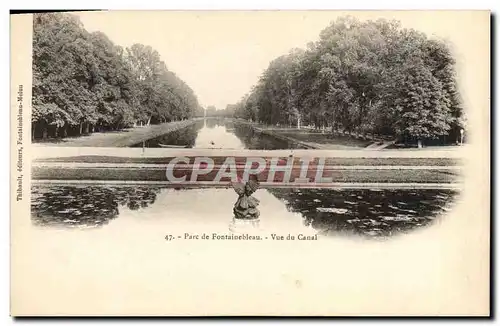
{"x": 251, "y": 163}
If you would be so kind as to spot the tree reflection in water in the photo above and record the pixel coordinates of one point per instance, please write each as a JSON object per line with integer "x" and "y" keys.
{"x": 211, "y": 123}
{"x": 255, "y": 140}
{"x": 367, "y": 212}
{"x": 85, "y": 206}
{"x": 183, "y": 137}
{"x": 371, "y": 213}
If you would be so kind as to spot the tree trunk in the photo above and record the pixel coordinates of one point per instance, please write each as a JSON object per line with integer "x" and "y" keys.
{"x": 81, "y": 126}
{"x": 419, "y": 143}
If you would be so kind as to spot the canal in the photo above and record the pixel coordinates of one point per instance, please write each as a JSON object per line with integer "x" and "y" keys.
{"x": 368, "y": 213}
{"x": 218, "y": 134}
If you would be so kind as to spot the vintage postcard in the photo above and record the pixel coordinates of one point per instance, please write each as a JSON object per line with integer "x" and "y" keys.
{"x": 250, "y": 163}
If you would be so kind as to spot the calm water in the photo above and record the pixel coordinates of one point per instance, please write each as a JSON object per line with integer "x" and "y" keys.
{"x": 366, "y": 212}
{"x": 218, "y": 133}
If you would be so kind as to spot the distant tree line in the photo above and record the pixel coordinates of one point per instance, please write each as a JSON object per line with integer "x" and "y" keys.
{"x": 365, "y": 77}
{"x": 212, "y": 112}
{"x": 82, "y": 82}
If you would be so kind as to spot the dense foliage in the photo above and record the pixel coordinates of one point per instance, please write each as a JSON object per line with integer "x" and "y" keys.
{"x": 365, "y": 77}
{"x": 82, "y": 82}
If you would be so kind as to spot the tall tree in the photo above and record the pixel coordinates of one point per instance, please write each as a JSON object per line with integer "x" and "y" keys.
{"x": 364, "y": 77}
{"x": 82, "y": 82}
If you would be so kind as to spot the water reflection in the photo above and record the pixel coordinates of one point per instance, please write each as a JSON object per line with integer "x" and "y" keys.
{"x": 214, "y": 122}
{"x": 217, "y": 137}
{"x": 253, "y": 139}
{"x": 368, "y": 212}
{"x": 219, "y": 133}
{"x": 185, "y": 137}
{"x": 371, "y": 213}
{"x": 83, "y": 206}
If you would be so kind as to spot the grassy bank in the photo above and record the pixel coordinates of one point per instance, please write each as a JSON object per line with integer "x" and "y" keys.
{"x": 310, "y": 138}
{"x": 317, "y": 139}
{"x": 158, "y": 174}
{"x": 333, "y": 161}
{"x": 324, "y": 140}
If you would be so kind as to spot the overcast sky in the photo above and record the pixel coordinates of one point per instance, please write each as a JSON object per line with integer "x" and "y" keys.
{"x": 220, "y": 55}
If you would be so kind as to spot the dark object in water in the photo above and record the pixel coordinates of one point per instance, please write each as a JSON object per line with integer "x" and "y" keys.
{"x": 172, "y": 146}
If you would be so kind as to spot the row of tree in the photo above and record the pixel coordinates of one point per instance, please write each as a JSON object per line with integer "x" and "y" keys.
{"x": 212, "y": 112}
{"x": 82, "y": 82}
{"x": 366, "y": 77}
